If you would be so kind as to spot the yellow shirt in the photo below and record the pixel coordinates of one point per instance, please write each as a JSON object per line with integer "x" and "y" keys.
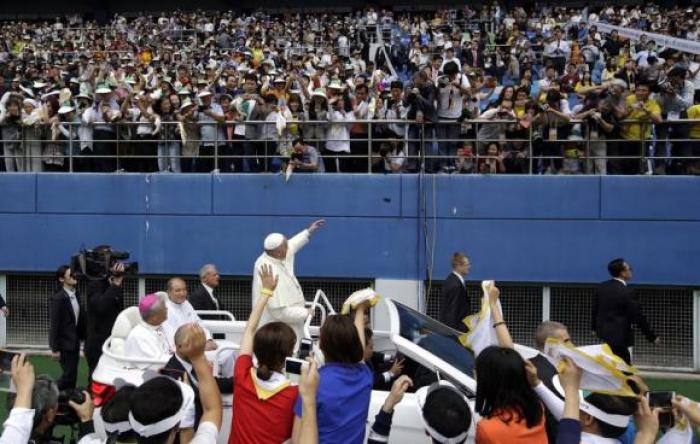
{"x": 636, "y": 131}
{"x": 694, "y": 113}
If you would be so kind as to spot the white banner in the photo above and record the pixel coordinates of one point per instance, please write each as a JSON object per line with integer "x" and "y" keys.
{"x": 689, "y": 46}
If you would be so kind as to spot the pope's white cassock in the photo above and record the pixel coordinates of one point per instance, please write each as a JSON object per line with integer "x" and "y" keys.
{"x": 287, "y": 304}
{"x": 181, "y": 314}
{"x": 148, "y": 341}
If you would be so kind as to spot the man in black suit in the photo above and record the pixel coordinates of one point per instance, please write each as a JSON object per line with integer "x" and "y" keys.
{"x": 105, "y": 300}
{"x": 179, "y": 363}
{"x": 67, "y": 327}
{"x": 615, "y": 310}
{"x": 454, "y": 305}
{"x": 204, "y": 296}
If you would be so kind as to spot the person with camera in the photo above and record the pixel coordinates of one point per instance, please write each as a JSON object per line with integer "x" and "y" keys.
{"x": 676, "y": 95}
{"x": 103, "y": 114}
{"x": 420, "y": 101}
{"x": 645, "y": 112}
{"x": 553, "y": 120}
{"x": 67, "y": 324}
{"x": 305, "y": 158}
{"x": 18, "y": 426}
{"x": 557, "y": 51}
{"x": 213, "y": 137}
{"x": 105, "y": 300}
{"x": 453, "y": 87}
{"x": 11, "y": 133}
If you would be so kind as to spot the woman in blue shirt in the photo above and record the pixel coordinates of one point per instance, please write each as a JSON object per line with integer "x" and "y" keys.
{"x": 345, "y": 384}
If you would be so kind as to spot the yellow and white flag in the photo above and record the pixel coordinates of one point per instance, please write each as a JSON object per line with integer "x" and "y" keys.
{"x": 601, "y": 370}
{"x": 480, "y": 332}
{"x": 358, "y": 297}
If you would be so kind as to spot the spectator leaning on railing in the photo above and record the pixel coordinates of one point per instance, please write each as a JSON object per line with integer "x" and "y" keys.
{"x": 216, "y": 67}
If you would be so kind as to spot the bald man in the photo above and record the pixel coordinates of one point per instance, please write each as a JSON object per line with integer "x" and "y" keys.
{"x": 287, "y": 304}
{"x": 181, "y": 312}
{"x": 180, "y": 362}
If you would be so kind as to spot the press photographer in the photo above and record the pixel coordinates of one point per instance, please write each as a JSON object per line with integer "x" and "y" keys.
{"x": 105, "y": 300}
{"x": 105, "y": 296}
{"x": 38, "y": 405}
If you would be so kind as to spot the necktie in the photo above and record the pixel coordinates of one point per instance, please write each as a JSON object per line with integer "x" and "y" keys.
{"x": 214, "y": 298}
{"x": 75, "y": 306}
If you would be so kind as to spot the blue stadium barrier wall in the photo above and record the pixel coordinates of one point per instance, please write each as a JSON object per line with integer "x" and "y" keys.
{"x": 514, "y": 228}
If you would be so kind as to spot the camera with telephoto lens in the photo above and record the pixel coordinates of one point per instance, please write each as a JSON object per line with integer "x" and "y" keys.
{"x": 297, "y": 154}
{"x": 65, "y": 414}
{"x": 97, "y": 263}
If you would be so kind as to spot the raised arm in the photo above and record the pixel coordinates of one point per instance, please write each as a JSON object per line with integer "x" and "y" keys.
{"x": 504, "y": 339}
{"x": 359, "y": 321}
{"x": 308, "y": 387}
{"x": 269, "y": 283}
{"x": 209, "y": 394}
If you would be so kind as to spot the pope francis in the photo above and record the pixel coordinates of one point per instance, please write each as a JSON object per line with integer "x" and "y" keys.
{"x": 287, "y": 304}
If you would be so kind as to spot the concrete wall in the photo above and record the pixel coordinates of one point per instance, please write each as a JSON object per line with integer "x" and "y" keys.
{"x": 514, "y": 228}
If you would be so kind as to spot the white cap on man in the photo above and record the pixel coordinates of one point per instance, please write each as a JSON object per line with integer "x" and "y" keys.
{"x": 273, "y": 241}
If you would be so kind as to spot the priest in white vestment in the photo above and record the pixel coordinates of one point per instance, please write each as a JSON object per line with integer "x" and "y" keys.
{"x": 287, "y": 304}
{"x": 181, "y": 312}
{"x": 149, "y": 339}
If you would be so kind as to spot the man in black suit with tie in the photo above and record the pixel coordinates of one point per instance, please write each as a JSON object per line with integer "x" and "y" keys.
{"x": 204, "y": 297}
{"x": 67, "y": 327}
{"x": 105, "y": 300}
{"x": 615, "y": 310}
{"x": 180, "y": 364}
{"x": 454, "y": 305}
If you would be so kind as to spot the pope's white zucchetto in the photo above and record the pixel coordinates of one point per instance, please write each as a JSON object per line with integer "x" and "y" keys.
{"x": 273, "y": 241}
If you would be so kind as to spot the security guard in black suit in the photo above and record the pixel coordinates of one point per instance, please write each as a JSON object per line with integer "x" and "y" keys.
{"x": 67, "y": 327}
{"x": 615, "y": 310}
{"x": 454, "y": 302}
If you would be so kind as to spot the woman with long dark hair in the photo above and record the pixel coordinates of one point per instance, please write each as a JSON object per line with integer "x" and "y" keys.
{"x": 510, "y": 409}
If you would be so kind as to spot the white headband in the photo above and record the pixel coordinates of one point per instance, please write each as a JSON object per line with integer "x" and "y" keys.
{"x": 614, "y": 420}
{"x": 421, "y": 396}
{"x": 165, "y": 424}
{"x": 118, "y": 427}
{"x": 437, "y": 436}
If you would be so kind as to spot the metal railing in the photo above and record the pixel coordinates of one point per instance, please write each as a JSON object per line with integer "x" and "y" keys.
{"x": 352, "y": 146}
{"x": 671, "y": 311}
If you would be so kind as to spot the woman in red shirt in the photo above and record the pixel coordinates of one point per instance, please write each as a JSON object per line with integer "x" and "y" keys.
{"x": 263, "y": 397}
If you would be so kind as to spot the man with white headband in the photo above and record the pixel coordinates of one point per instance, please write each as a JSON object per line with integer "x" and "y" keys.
{"x": 446, "y": 415}
{"x": 159, "y": 405}
{"x": 287, "y": 305}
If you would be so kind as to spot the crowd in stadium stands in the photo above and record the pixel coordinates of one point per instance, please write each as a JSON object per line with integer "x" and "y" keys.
{"x": 485, "y": 90}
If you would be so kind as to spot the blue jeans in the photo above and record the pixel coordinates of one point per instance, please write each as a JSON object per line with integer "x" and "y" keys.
{"x": 169, "y": 156}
